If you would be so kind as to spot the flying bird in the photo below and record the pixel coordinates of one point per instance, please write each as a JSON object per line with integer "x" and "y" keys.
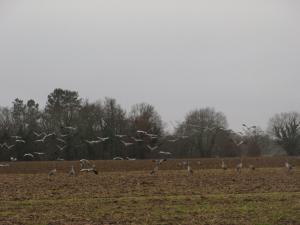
{"x": 126, "y": 144}
{"x": 61, "y": 148}
{"x": 152, "y": 148}
{"x": 118, "y": 158}
{"x": 165, "y": 153}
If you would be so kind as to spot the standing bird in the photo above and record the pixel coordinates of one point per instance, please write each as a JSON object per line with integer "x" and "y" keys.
{"x": 72, "y": 172}
{"x": 189, "y": 168}
{"x": 52, "y": 173}
{"x": 223, "y": 166}
{"x": 157, "y": 164}
{"x": 251, "y": 167}
{"x": 288, "y": 166}
{"x": 239, "y": 167}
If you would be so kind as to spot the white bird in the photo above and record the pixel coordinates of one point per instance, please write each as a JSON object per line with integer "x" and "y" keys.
{"x": 93, "y": 142}
{"x": 223, "y": 166}
{"x": 120, "y": 135}
{"x": 20, "y": 141}
{"x": 72, "y": 172}
{"x": 28, "y": 155}
{"x": 13, "y": 159}
{"x": 91, "y": 169}
{"x": 52, "y": 173}
{"x": 152, "y": 136}
{"x": 84, "y": 163}
{"x": 141, "y": 132}
{"x": 239, "y": 167}
{"x": 39, "y": 134}
{"x": 137, "y": 139}
{"x": 251, "y": 167}
{"x": 189, "y": 168}
{"x": 61, "y": 140}
{"x": 8, "y": 147}
{"x": 70, "y": 128}
{"x": 152, "y": 148}
{"x": 159, "y": 161}
{"x": 39, "y": 153}
{"x": 4, "y": 165}
{"x": 131, "y": 159}
{"x": 61, "y": 148}
{"x": 288, "y": 166}
{"x": 154, "y": 170}
{"x": 45, "y": 137}
{"x": 103, "y": 139}
{"x": 126, "y": 144}
{"x": 16, "y": 137}
{"x": 118, "y": 158}
{"x": 165, "y": 153}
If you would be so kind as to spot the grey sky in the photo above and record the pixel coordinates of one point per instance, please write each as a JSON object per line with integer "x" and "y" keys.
{"x": 240, "y": 56}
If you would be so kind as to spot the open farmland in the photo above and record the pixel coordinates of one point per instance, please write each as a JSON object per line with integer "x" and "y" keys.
{"x": 124, "y": 193}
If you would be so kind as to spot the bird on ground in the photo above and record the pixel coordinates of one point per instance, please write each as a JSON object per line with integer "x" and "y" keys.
{"x": 239, "y": 167}
{"x": 189, "y": 168}
{"x": 251, "y": 167}
{"x": 13, "y": 159}
{"x": 223, "y": 165}
{"x": 72, "y": 172}
{"x": 4, "y": 165}
{"x": 52, "y": 173}
{"x": 288, "y": 166}
{"x": 157, "y": 164}
{"x": 159, "y": 161}
{"x": 84, "y": 163}
{"x": 131, "y": 159}
{"x": 91, "y": 169}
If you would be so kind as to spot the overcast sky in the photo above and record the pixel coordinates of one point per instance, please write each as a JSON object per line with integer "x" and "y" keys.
{"x": 241, "y": 57}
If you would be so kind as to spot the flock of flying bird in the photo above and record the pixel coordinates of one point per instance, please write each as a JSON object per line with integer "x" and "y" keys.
{"x": 86, "y": 166}
{"x": 42, "y": 138}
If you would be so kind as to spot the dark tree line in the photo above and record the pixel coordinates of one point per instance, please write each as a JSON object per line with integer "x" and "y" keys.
{"x": 70, "y": 128}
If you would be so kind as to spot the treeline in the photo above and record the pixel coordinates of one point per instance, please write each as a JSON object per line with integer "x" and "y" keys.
{"x": 71, "y": 128}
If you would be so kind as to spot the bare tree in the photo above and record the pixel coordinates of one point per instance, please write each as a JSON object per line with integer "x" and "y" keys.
{"x": 285, "y": 129}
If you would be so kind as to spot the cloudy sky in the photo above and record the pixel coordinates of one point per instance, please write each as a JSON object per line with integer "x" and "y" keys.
{"x": 240, "y": 56}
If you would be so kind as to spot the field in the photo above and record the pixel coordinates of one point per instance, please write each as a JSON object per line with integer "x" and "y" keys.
{"x": 124, "y": 193}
